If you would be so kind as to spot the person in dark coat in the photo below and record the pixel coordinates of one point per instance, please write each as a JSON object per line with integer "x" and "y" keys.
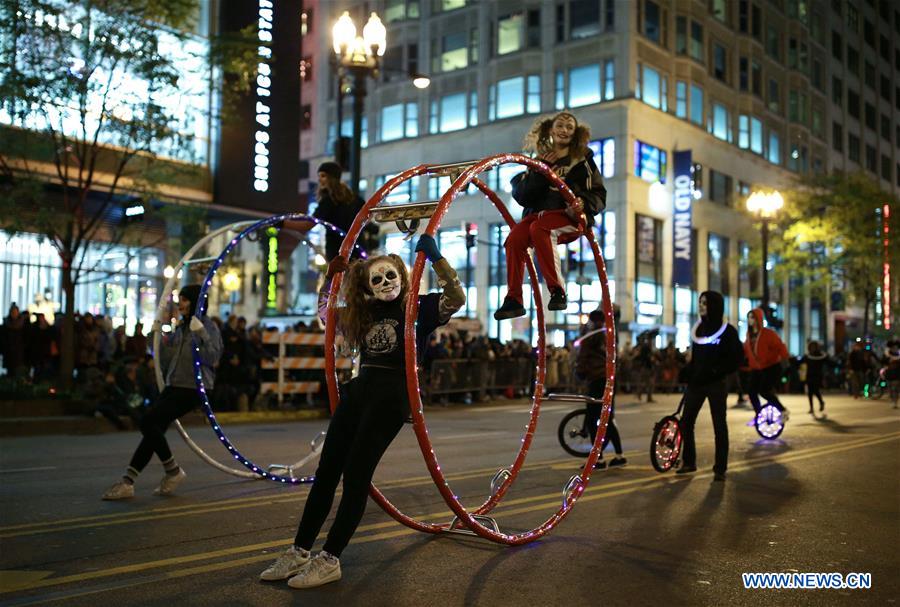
{"x": 13, "y": 343}
{"x": 815, "y": 360}
{"x": 716, "y": 353}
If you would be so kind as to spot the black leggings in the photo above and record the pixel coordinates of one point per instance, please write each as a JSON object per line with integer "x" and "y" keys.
{"x": 814, "y": 388}
{"x": 762, "y": 383}
{"x": 171, "y": 404}
{"x": 717, "y": 393}
{"x": 595, "y": 390}
{"x": 372, "y": 411}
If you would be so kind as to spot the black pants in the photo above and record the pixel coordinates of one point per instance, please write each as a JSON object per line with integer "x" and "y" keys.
{"x": 372, "y": 410}
{"x": 762, "y": 383}
{"x": 717, "y": 393}
{"x": 171, "y": 404}
{"x": 814, "y": 388}
{"x": 595, "y": 390}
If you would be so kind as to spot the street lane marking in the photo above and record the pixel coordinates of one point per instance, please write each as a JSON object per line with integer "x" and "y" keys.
{"x": 36, "y": 469}
{"x": 592, "y": 493}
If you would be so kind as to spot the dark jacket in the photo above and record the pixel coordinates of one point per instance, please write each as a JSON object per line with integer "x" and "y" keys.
{"x": 534, "y": 191}
{"x": 341, "y": 216}
{"x": 815, "y": 366}
{"x": 590, "y": 364}
{"x": 715, "y": 353}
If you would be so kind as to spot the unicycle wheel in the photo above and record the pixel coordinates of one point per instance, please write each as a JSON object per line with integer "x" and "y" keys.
{"x": 665, "y": 447}
{"x": 573, "y": 434}
{"x": 769, "y": 422}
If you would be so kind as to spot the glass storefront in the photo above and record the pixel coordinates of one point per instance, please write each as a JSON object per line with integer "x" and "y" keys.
{"x": 119, "y": 281}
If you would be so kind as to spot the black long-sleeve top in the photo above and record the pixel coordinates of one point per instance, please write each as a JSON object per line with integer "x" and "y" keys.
{"x": 716, "y": 360}
{"x": 535, "y": 192}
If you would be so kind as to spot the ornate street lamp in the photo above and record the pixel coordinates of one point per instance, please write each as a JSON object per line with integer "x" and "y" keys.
{"x": 360, "y": 56}
{"x": 765, "y": 205}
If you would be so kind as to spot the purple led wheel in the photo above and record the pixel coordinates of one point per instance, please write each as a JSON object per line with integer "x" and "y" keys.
{"x": 201, "y": 309}
{"x": 769, "y": 422}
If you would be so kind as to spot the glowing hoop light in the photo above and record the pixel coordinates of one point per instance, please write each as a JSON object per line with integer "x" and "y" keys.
{"x": 709, "y": 339}
{"x": 255, "y": 471}
{"x": 470, "y": 519}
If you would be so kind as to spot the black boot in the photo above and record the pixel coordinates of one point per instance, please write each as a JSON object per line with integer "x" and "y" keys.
{"x": 510, "y": 309}
{"x": 558, "y": 300}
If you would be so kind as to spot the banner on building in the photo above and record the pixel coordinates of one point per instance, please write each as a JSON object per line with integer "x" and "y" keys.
{"x": 682, "y": 264}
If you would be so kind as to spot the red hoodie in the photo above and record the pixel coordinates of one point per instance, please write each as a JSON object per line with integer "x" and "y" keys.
{"x": 766, "y": 348}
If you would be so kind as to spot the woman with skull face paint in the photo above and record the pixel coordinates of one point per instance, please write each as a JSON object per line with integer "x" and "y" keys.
{"x": 373, "y": 406}
{"x": 715, "y": 354}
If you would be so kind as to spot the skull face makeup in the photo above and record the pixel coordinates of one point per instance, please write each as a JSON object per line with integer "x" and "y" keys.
{"x": 384, "y": 281}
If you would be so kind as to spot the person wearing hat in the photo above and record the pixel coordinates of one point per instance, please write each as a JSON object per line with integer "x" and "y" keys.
{"x": 180, "y": 395}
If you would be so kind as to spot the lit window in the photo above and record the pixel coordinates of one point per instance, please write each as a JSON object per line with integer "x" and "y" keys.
{"x": 584, "y": 85}
{"x": 653, "y": 88}
{"x": 454, "y": 52}
{"x": 720, "y": 122}
{"x": 560, "y": 93}
{"x": 392, "y": 122}
{"x": 509, "y": 34}
{"x": 696, "y": 104}
{"x": 533, "y": 105}
{"x": 604, "y": 155}
{"x": 609, "y": 80}
{"x": 453, "y": 113}
{"x": 681, "y": 99}
{"x": 774, "y": 151}
{"x": 650, "y": 163}
{"x": 510, "y": 101}
{"x": 756, "y": 135}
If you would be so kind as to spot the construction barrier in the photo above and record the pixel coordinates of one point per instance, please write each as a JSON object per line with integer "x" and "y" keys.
{"x": 282, "y": 363}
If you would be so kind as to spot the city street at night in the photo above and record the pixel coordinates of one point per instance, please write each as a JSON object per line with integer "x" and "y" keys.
{"x": 822, "y": 498}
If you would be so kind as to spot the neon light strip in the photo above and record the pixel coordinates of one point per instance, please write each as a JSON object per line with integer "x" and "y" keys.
{"x": 702, "y": 341}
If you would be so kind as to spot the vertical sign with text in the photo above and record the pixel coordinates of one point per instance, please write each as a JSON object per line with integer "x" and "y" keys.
{"x": 682, "y": 265}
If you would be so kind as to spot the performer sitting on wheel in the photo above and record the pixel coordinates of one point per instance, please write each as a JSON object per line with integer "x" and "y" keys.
{"x": 764, "y": 351}
{"x": 373, "y": 406}
{"x": 178, "y": 397}
{"x": 590, "y": 365}
{"x": 546, "y": 222}
{"x": 715, "y": 354}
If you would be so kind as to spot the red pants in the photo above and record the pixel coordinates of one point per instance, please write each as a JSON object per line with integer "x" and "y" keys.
{"x": 543, "y": 231}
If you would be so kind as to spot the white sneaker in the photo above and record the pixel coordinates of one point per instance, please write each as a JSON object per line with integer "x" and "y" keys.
{"x": 316, "y": 572}
{"x": 288, "y": 564}
{"x": 119, "y": 491}
{"x": 170, "y": 482}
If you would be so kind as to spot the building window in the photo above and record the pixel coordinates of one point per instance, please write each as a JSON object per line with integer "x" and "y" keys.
{"x": 605, "y": 155}
{"x": 451, "y": 52}
{"x": 510, "y": 98}
{"x": 650, "y": 163}
{"x": 720, "y": 122}
{"x": 817, "y": 122}
{"x": 652, "y": 26}
{"x": 648, "y": 259}
{"x": 837, "y": 91}
{"x": 837, "y": 46}
{"x": 886, "y": 88}
{"x": 719, "y": 10}
{"x": 560, "y": 91}
{"x": 837, "y": 137}
{"x": 743, "y": 74}
{"x": 870, "y": 116}
{"x": 584, "y": 85}
{"x": 652, "y": 88}
{"x": 509, "y": 33}
{"x": 756, "y": 78}
{"x": 773, "y": 43}
{"x": 852, "y": 103}
{"x": 697, "y": 105}
{"x": 852, "y": 59}
{"x": 452, "y": 113}
{"x": 871, "y": 159}
{"x": 609, "y": 80}
{"x": 750, "y": 134}
{"x": 774, "y": 148}
{"x": 399, "y": 121}
{"x": 743, "y": 16}
{"x": 533, "y": 95}
{"x": 886, "y": 128}
{"x": 681, "y": 35}
{"x": 584, "y": 19}
{"x": 721, "y": 187}
{"x": 720, "y": 62}
{"x": 718, "y": 279}
{"x": 439, "y": 6}
{"x": 398, "y": 10}
{"x": 774, "y": 97}
{"x": 869, "y": 75}
{"x": 797, "y": 102}
{"x": 797, "y": 159}
{"x": 681, "y": 99}
{"x": 696, "y": 46}
{"x": 853, "y": 147}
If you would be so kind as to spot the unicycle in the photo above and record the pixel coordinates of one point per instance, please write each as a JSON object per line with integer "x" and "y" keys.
{"x": 665, "y": 446}
{"x": 769, "y": 422}
{"x": 573, "y": 433}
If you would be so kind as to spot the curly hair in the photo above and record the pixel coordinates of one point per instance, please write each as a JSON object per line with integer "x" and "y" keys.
{"x": 338, "y": 191}
{"x": 538, "y": 138}
{"x": 356, "y": 317}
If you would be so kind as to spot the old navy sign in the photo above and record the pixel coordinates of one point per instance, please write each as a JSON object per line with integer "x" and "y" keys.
{"x": 682, "y": 266}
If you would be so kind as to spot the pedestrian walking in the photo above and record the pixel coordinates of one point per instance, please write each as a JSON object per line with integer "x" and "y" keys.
{"x": 814, "y": 360}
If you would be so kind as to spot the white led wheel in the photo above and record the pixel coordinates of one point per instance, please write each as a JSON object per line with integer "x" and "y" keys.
{"x": 241, "y": 230}
{"x": 769, "y": 422}
{"x": 475, "y": 519}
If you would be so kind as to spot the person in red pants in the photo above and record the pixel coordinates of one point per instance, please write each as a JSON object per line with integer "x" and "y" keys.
{"x": 547, "y": 221}
{"x": 764, "y": 351}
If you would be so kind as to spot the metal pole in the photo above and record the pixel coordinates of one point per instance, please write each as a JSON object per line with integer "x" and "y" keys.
{"x": 340, "y": 105}
{"x": 765, "y": 268}
{"x": 359, "y": 95}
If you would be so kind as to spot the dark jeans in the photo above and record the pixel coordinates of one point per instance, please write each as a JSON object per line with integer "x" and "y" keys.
{"x": 814, "y": 388}
{"x": 717, "y": 393}
{"x": 372, "y": 410}
{"x": 171, "y": 404}
{"x": 762, "y": 383}
{"x": 595, "y": 390}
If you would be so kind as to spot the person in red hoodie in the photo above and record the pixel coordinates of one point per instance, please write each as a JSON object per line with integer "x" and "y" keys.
{"x": 764, "y": 351}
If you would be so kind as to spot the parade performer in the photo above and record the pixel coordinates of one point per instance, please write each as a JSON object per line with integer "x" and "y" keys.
{"x": 715, "y": 354}
{"x": 590, "y": 365}
{"x": 546, "y": 222}
{"x": 764, "y": 351}
{"x": 373, "y": 406}
{"x": 179, "y": 396}
{"x": 815, "y": 360}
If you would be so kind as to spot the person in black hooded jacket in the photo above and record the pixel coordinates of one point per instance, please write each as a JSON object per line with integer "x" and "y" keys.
{"x": 716, "y": 353}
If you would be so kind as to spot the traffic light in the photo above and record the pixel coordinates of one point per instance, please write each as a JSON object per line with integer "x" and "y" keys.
{"x": 471, "y": 234}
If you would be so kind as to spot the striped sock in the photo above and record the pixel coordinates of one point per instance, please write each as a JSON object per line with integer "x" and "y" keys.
{"x": 171, "y": 466}
{"x": 130, "y": 475}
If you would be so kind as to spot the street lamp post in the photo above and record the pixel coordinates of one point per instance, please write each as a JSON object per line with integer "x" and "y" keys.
{"x": 765, "y": 204}
{"x": 361, "y": 57}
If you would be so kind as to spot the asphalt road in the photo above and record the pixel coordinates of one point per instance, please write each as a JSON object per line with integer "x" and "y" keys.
{"x": 823, "y": 498}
